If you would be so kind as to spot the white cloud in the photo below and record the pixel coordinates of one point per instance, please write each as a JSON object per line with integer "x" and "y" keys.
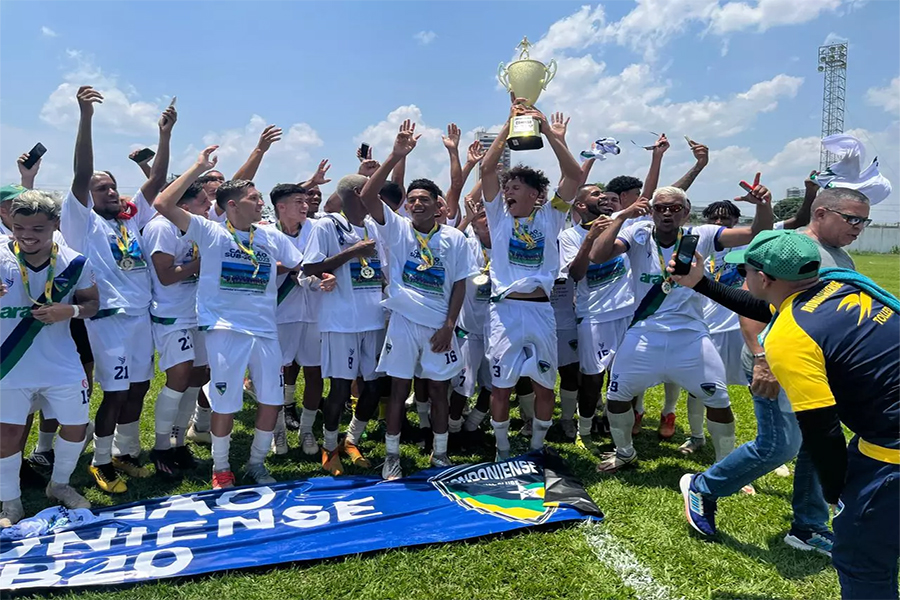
{"x": 740, "y": 16}
{"x": 425, "y": 37}
{"x": 833, "y": 38}
{"x": 887, "y": 97}
{"x": 46, "y": 31}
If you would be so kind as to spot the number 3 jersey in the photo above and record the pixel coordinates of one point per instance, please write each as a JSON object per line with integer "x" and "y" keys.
{"x": 35, "y": 355}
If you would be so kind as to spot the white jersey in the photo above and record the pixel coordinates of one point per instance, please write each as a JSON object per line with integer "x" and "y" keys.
{"x": 233, "y": 293}
{"x": 682, "y": 308}
{"x": 35, "y": 355}
{"x": 562, "y": 299}
{"x": 121, "y": 289}
{"x": 473, "y": 314}
{"x": 423, "y": 295}
{"x": 299, "y": 297}
{"x": 176, "y": 303}
{"x": 214, "y": 216}
{"x": 606, "y": 292}
{"x": 526, "y": 256}
{"x": 355, "y": 303}
{"x": 718, "y": 318}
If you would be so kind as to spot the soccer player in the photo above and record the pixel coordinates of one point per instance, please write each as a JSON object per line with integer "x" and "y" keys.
{"x": 45, "y": 284}
{"x": 429, "y": 264}
{"x": 668, "y": 341}
{"x": 120, "y": 332}
{"x": 524, "y": 265}
{"x": 237, "y": 270}
{"x": 352, "y": 321}
{"x": 173, "y": 316}
{"x": 833, "y": 342}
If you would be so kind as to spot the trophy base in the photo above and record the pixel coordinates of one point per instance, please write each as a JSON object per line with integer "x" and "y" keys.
{"x": 524, "y": 134}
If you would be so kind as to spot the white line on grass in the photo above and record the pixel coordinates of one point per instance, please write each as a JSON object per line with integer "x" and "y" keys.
{"x": 614, "y": 555}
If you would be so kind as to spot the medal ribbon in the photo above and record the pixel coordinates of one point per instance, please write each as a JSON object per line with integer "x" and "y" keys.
{"x": 487, "y": 260}
{"x": 524, "y": 236}
{"x": 424, "y": 250}
{"x": 667, "y": 278}
{"x": 712, "y": 266}
{"x": 363, "y": 263}
{"x": 23, "y": 271}
{"x": 248, "y": 248}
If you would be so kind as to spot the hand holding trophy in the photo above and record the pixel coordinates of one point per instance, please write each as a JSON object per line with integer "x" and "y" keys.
{"x": 525, "y": 78}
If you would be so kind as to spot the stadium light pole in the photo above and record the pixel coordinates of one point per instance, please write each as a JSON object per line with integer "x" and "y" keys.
{"x": 833, "y": 63}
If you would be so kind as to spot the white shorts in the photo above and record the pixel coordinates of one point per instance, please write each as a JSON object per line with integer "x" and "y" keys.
{"x": 67, "y": 403}
{"x": 598, "y": 342}
{"x": 730, "y": 344}
{"x": 301, "y": 343}
{"x": 566, "y": 346}
{"x": 476, "y": 367}
{"x": 522, "y": 343}
{"x": 407, "y": 352}
{"x": 231, "y": 353}
{"x": 123, "y": 350}
{"x": 176, "y": 345}
{"x": 351, "y": 355}
{"x": 686, "y": 358}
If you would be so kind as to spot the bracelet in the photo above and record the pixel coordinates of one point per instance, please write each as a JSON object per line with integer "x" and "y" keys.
{"x": 759, "y": 355}
{"x": 77, "y": 311}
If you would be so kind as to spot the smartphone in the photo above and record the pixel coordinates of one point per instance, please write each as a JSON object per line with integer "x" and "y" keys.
{"x": 34, "y": 155}
{"x": 364, "y": 151}
{"x": 174, "y": 98}
{"x": 684, "y": 254}
{"x": 144, "y": 155}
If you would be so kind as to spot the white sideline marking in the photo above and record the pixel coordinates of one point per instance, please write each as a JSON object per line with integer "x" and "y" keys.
{"x": 626, "y": 565}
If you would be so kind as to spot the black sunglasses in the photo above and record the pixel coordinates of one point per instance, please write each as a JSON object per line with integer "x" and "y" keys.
{"x": 852, "y": 220}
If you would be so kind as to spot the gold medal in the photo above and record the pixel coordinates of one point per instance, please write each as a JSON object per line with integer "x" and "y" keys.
{"x": 367, "y": 272}
{"x": 481, "y": 279}
{"x": 666, "y": 287}
{"x": 127, "y": 263}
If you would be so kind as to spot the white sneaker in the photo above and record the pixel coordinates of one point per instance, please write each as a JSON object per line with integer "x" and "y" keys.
{"x": 692, "y": 445}
{"x": 310, "y": 446}
{"x": 199, "y": 437}
{"x": 66, "y": 495}
{"x": 783, "y": 471}
{"x": 441, "y": 460}
{"x": 392, "y": 468}
{"x": 12, "y": 513}
{"x": 259, "y": 473}
{"x": 527, "y": 429}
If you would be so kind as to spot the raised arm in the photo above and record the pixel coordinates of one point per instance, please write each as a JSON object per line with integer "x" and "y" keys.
{"x": 656, "y": 156}
{"x": 397, "y": 176}
{"x": 167, "y": 202}
{"x": 607, "y": 245}
{"x": 763, "y": 219}
{"x": 269, "y": 136}
{"x": 319, "y": 177}
{"x": 404, "y": 143}
{"x": 84, "y": 146}
{"x": 803, "y": 214}
{"x": 28, "y": 175}
{"x": 157, "y": 179}
{"x": 144, "y": 166}
{"x": 555, "y": 132}
{"x": 586, "y": 167}
{"x": 473, "y": 156}
{"x": 701, "y": 153}
{"x": 490, "y": 178}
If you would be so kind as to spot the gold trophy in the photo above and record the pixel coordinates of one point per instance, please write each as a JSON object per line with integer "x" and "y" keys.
{"x": 525, "y": 78}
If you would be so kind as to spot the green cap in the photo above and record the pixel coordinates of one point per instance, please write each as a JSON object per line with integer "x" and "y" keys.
{"x": 782, "y": 254}
{"x": 9, "y": 192}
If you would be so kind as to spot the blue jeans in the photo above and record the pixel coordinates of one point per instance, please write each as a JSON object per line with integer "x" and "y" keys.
{"x": 778, "y": 440}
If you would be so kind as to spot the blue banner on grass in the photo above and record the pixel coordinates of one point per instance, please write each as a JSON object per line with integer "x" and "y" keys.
{"x": 294, "y": 521}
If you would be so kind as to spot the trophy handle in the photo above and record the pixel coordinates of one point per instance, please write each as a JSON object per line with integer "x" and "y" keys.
{"x": 550, "y": 73}
{"x": 503, "y": 76}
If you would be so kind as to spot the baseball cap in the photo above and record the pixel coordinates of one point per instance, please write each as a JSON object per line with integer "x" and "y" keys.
{"x": 9, "y": 192}
{"x": 784, "y": 255}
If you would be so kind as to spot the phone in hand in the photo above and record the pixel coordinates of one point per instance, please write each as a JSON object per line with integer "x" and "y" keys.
{"x": 143, "y": 156}
{"x": 684, "y": 254}
{"x": 174, "y": 98}
{"x": 364, "y": 151}
{"x": 34, "y": 155}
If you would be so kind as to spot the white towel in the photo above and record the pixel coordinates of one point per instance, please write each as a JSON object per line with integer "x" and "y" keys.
{"x": 846, "y": 173}
{"x": 601, "y": 148}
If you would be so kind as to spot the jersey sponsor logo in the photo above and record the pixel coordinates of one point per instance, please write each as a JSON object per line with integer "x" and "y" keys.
{"x": 708, "y": 388}
{"x": 238, "y": 276}
{"x": 429, "y": 282}
{"x": 822, "y": 295}
{"x": 883, "y": 315}
{"x": 861, "y": 301}
{"x": 601, "y": 275}
{"x": 483, "y": 293}
{"x": 15, "y": 312}
{"x": 651, "y": 278}
{"x": 221, "y": 386}
{"x": 512, "y": 490}
{"x": 520, "y": 255}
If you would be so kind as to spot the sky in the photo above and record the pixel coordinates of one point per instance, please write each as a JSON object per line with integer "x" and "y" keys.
{"x": 739, "y": 76}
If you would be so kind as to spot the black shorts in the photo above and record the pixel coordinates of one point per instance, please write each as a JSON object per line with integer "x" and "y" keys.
{"x": 79, "y": 334}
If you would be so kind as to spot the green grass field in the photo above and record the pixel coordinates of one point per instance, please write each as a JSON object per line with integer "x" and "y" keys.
{"x": 645, "y": 533}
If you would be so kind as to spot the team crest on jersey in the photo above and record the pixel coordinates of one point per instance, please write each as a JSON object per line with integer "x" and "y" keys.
{"x": 9, "y": 281}
{"x": 122, "y": 360}
{"x": 221, "y": 386}
{"x": 387, "y": 348}
{"x": 573, "y": 344}
{"x": 544, "y": 366}
{"x": 708, "y": 388}
{"x": 512, "y": 490}
{"x": 84, "y": 383}
{"x": 860, "y": 301}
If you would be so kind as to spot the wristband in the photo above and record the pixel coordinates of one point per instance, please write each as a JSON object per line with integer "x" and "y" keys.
{"x": 759, "y": 355}
{"x": 77, "y": 311}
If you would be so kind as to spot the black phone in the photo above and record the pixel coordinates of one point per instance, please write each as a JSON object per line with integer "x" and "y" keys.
{"x": 143, "y": 156}
{"x": 364, "y": 151}
{"x": 684, "y": 254}
{"x": 35, "y": 155}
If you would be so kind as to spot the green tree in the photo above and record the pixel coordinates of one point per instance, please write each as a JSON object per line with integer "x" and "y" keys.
{"x": 787, "y": 208}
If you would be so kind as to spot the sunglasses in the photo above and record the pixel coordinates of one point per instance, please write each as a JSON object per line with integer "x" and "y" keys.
{"x": 672, "y": 208}
{"x": 742, "y": 271}
{"x": 852, "y": 220}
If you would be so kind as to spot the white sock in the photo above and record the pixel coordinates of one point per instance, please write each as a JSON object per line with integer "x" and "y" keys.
{"x": 330, "y": 441}
{"x": 526, "y": 406}
{"x": 221, "y": 448}
{"x": 185, "y": 412}
{"x": 568, "y": 400}
{"x": 424, "y": 411}
{"x": 65, "y": 459}
{"x": 584, "y": 425}
{"x": 440, "y": 443}
{"x": 501, "y": 434}
{"x": 639, "y": 404}
{"x": 355, "y": 429}
{"x": 45, "y": 441}
{"x": 455, "y": 425}
{"x": 127, "y": 437}
{"x": 102, "y": 450}
{"x": 202, "y": 418}
{"x": 673, "y": 391}
{"x": 473, "y": 421}
{"x": 262, "y": 443}
{"x": 723, "y": 437}
{"x": 289, "y": 391}
{"x": 307, "y": 420}
{"x": 392, "y": 444}
{"x": 279, "y": 422}
{"x": 539, "y": 432}
{"x": 9, "y": 477}
{"x": 620, "y": 425}
{"x": 168, "y": 403}
{"x": 696, "y": 414}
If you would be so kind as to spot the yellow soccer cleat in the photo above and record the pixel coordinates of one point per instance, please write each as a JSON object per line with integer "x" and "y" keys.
{"x": 352, "y": 452}
{"x": 108, "y": 479}
{"x": 331, "y": 462}
{"x": 130, "y": 466}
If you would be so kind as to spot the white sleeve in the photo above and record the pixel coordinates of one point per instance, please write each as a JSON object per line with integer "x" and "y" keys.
{"x": 288, "y": 254}
{"x": 568, "y": 250}
{"x": 494, "y": 209}
{"x": 202, "y": 232}
{"x": 317, "y": 246}
{"x": 87, "y": 278}
{"x": 464, "y": 265}
{"x": 145, "y": 210}
{"x": 158, "y": 240}
{"x": 626, "y": 236}
{"x": 708, "y": 236}
{"x": 75, "y": 221}
{"x": 392, "y": 231}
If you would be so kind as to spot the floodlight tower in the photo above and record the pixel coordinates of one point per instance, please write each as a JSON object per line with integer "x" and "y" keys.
{"x": 833, "y": 63}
